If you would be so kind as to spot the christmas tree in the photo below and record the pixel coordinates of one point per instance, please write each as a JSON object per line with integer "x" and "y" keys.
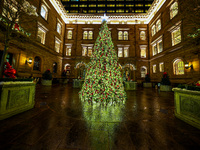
{"x": 103, "y": 80}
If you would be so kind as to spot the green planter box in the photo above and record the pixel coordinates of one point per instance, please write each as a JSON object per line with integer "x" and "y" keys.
{"x": 64, "y": 81}
{"x": 147, "y": 84}
{"x": 166, "y": 88}
{"x": 131, "y": 85}
{"x": 187, "y": 106}
{"x": 46, "y": 82}
{"x": 16, "y": 97}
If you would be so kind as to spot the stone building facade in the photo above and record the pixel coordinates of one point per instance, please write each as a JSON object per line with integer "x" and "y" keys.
{"x": 153, "y": 43}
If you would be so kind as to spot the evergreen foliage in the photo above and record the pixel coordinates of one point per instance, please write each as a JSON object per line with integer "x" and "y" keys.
{"x": 165, "y": 79}
{"x": 103, "y": 81}
{"x": 147, "y": 78}
{"x": 47, "y": 75}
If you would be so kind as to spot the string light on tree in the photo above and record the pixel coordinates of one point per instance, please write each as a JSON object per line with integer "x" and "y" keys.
{"x": 103, "y": 80}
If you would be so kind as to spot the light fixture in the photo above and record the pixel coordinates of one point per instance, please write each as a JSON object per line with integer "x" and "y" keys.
{"x": 187, "y": 66}
{"x": 29, "y": 61}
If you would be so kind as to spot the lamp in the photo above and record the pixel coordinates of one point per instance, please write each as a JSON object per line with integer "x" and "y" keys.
{"x": 29, "y": 61}
{"x": 187, "y": 66}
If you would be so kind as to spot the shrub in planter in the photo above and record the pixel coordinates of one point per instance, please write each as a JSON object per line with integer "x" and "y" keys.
{"x": 147, "y": 82}
{"x": 47, "y": 77}
{"x": 165, "y": 83}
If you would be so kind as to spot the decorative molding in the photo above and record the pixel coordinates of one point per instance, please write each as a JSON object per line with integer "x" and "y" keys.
{"x": 123, "y": 29}
{"x": 41, "y": 26}
{"x": 157, "y": 40}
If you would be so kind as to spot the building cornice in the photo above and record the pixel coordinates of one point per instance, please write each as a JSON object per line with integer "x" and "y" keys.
{"x": 123, "y": 18}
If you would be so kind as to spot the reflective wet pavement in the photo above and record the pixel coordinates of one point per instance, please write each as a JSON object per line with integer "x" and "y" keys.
{"x": 60, "y": 121}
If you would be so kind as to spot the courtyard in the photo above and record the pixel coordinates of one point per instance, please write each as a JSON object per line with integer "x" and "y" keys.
{"x": 60, "y": 121}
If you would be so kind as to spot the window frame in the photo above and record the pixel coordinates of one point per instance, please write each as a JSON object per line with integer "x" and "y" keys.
{"x": 58, "y": 41}
{"x": 154, "y": 68}
{"x": 176, "y": 68}
{"x": 172, "y": 10}
{"x": 162, "y": 63}
{"x": 46, "y": 13}
{"x": 174, "y": 38}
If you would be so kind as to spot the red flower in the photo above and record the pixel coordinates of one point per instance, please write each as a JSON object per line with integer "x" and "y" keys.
{"x": 165, "y": 73}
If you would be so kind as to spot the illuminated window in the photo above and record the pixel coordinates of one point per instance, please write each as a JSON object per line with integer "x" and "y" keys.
{"x": 147, "y": 5}
{"x": 82, "y": 5}
{"x": 123, "y": 51}
{"x": 119, "y": 11}
{"x": 143, "y": 71}
{"x": 143, "y": 52}
{"x": 91, "y": 11}
{"x": 153, "y": 30}
{"x": 110, "y": 0}
{"x": 101, "y": 5}
{"x": 110, "y": 5}
{"x": 69, "y": 34}
{"x": 59, "y": 28}
{"x": 84, "y": 51}
{"x": 129, "y": 5}
{"x": 92, "y": 5}
{"x": 83, "y": 0}
{"x": 178, "y": 67}
{"x": 161, "y": 67}
{"x": 154, "y": 68}
{"x": 88, "y": 35}
{"x": 110, "y": 11}
{"x": 44, "y": 12}
{"x": 176, "y": 36}
{"x": 158, "y": 25}
{"x": 57, "y": 45}
{"x": 123, "y": 35}
{"x": 139, "y": 5}
{"x": 119, "y": 5}
{"x": 142, "y": 35}
{"x": 101, "y": 11}
{"x": 87, "y": 51}
{"x": 159, "y": 46}
{"x": 73, "y": 5}
{"x": 138, "y": 10}
{"x": 126, "y": 51}
{"x": 120, "y": 53}
{"x": 173, "y": 10}
{"x": 73, "y": 11}
{"x": 68, "y": 50}
{"x": 154, "y": 48}
{"x": 41, "y": 34}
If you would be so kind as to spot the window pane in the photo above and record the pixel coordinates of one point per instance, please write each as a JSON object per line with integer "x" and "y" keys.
{"x": 143, "y": 72}
{"x": 173, "y": 10}
{"x": 180, "y": 67}
{"x": 154, "y": 50}
{"x": 59, "y": 28}
{"x": 85, "y": 34}
{"x": 125, "y": 35}
{"x": 125, "y": 51}
{"x": 57, "y": 46}
{"x": 84, "y": 51}
{"x": 142, "y": 35}
{"x": 160, "y": 48}
{"x": 90, "y": 34}
{"x": 154, "y": 68}
{"x": 43, "y": 12}
{"x": 89, "y": 51}
{"x": 176, "y": 37}
{"x": 120, "y": 35}
{"x": 158, "y": 25}
{"x": 143, "y": 53}
{"x": 41, "y": 36}
{"x": 68, "y": 51}
{"x": 161, "y": 67}
{"x": 120, "y": 54}
{"x": 69, "y": 35}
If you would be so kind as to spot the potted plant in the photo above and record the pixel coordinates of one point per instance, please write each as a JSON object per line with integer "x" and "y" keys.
{"x": 17, "y": 95}
{"x": 47, "y": 78}
{"x": 187, "y": 103}
{"x": 147, "y": 82}
{"x": 165, "y": 83}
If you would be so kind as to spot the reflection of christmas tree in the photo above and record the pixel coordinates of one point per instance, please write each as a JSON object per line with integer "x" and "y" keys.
{"x": 103, "y": 81}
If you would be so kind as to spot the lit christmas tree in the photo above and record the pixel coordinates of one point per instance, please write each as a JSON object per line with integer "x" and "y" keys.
{"x": 103, "y": 80}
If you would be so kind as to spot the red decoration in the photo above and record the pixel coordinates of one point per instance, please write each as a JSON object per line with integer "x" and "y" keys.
{"x": 9, "y": 72}
{"x": 16, "y": 26}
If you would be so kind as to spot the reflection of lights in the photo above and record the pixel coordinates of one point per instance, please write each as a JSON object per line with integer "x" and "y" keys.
{"x": 145, "y": 107}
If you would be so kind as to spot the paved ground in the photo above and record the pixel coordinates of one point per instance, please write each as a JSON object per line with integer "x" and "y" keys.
{"x": 60, "y": 121}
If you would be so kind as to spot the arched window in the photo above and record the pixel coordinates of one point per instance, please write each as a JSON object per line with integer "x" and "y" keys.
{"x": 158, "y": 25}
{"x": 69, "y": 34}
{"x": 37, "y": 63}
{"x": 54, "y": 67}
{"x": 125, "y": 35}
{"x": 173, "y": 10}
{"x": 142, "y": 35}
{"x": 143, "y": 71}
{"x": 153, "y": 30}
{"x": 120, "y": 35}
{"x": 90, "y": 35}
{"x": 44, "y": 12}
{"x": 85, "y": 35}
{"x": 178, "y": 67}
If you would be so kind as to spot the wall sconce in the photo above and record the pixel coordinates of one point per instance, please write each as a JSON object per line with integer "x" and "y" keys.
{"x": 187, "y": 66}
{"x": 29, "y": 61}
